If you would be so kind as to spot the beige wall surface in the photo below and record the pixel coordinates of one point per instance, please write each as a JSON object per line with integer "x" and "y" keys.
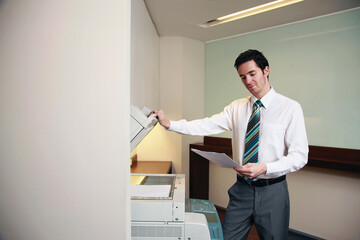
{"x": 64, "y": 107}
{"x": 145, "y": 65}
{"x": 314, "y": 62}
{"x": 145, "y": 76}
{"x": 182, "y": 92}
{"x": 325, "y": 202}
{"x": 167, "y": 73}
{"x": 182, "y": 75}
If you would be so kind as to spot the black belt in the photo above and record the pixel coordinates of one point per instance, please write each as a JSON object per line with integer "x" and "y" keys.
{"x": 261, "y": 182}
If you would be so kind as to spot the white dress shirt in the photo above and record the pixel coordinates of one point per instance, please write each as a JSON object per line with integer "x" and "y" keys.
{"x": 283, "y": 144}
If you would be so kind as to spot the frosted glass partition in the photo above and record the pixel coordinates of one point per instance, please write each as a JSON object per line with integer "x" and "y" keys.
{"x": 314, "y": 62}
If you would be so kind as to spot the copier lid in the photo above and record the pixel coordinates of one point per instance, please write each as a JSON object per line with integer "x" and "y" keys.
{"x": 141, "y": 123}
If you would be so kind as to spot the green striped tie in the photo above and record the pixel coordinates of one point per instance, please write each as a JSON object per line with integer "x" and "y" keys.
{"x": 252, "y": 137}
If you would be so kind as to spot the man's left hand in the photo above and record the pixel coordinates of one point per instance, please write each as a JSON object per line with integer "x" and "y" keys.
{"x": 251, "y": 170}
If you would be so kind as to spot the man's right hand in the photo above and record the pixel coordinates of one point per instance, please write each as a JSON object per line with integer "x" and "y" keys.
{"x": 162, "y": 118}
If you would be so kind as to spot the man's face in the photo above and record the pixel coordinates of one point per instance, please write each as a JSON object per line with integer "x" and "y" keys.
{"x": 254, "y": 79}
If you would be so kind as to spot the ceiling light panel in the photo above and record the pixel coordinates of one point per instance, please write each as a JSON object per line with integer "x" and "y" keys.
{"x": 249, "y": 12}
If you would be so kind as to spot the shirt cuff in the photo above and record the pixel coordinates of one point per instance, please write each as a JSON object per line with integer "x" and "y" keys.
{"x": 172, "y": 126}
{"x": 270, "y": 168}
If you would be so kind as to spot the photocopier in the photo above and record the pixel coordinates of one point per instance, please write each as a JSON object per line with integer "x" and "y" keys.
{"x": 159, "y": 210}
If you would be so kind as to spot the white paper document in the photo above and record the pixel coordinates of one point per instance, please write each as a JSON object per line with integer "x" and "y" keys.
{"x": 150, "y": 190}
{"x": 220, "y": 159}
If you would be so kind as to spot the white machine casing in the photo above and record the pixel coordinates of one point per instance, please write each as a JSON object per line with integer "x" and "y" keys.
{"x": 161, "y": 210}
{"x": 166, "y": 219}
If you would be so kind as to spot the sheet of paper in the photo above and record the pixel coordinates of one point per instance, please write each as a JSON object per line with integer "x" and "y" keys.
{"x": 220, "y": 159}
{"x": 150, "y": 190}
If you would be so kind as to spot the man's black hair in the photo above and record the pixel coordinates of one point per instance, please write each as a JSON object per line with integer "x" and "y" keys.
{"x": 249, "y": 55}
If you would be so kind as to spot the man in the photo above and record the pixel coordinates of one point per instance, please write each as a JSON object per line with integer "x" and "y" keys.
{"x": 268, "y": 140}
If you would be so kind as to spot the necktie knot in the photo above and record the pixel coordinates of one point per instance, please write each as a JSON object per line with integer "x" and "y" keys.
{"x": 258, "y": 104}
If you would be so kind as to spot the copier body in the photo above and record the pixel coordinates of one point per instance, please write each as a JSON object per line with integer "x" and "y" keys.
{"x": 156, "y": 214}
{"x": 158, "y": 210}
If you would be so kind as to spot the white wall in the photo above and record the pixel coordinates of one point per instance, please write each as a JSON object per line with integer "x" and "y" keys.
{"x": 145, "y": 68}
{"x": 167, "y": 73}
{"x": 193, "y": 97}
{"x": 64, "y": 105}
{"x": 182, "y": 75}
{"x": 182, "y": 79}
{"x": 145, "y": 65}
{"x": 161, "y": 67}
{"x": 325, "y": 203}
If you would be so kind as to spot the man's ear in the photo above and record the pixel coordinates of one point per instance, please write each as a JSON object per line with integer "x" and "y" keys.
{"x": 266, "y": 71}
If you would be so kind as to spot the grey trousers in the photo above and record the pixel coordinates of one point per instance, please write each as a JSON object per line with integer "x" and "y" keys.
{"x": 267, "y": 207}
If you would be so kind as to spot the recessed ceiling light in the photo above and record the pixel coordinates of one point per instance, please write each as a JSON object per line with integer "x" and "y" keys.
{"x": 249, "y": 12}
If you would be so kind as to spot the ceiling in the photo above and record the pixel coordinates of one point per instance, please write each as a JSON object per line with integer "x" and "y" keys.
{"x": 182, "y": 17}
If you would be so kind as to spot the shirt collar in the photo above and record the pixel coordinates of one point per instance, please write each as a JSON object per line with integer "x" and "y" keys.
{"x": 266, "y": 100}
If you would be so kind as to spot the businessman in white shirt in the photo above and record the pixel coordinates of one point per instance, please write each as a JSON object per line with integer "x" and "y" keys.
{"x": 268, "y": 141}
